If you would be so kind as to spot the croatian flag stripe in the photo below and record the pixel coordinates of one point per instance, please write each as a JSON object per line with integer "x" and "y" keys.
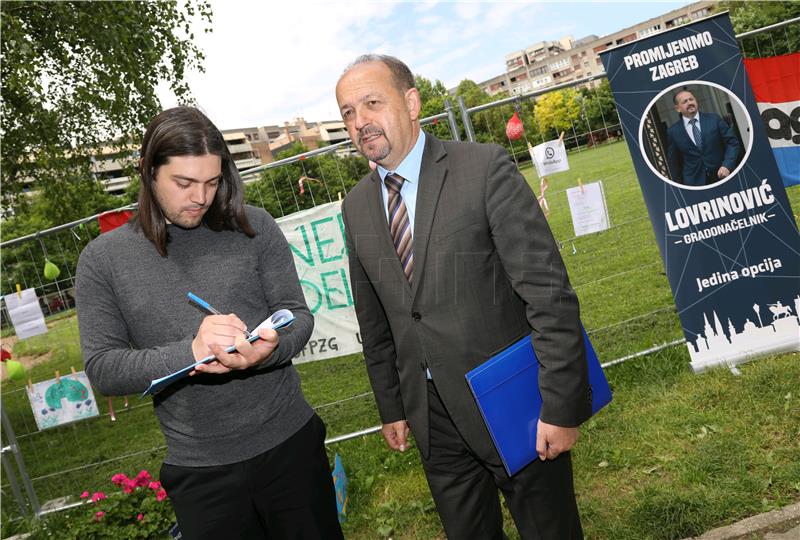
{"x": 776, "y": 85}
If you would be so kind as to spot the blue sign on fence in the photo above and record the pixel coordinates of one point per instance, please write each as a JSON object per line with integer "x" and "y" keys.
{"x": 708, "y": 175}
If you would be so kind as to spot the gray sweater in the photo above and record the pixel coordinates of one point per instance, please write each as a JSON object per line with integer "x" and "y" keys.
{"x": 136, "y": 324}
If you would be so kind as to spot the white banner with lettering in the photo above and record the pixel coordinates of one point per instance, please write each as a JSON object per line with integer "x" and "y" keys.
{"x": 316, "y": 238}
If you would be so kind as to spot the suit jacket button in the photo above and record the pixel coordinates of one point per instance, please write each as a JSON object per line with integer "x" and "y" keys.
{"x": 416, "y": 316}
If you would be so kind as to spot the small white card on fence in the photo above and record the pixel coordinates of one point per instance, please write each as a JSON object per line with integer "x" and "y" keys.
{"x": 63, "y": 400}
{"x": 549, "y": 157}
{"x": 25, "y": 313}
{"x": 588, "y": 207}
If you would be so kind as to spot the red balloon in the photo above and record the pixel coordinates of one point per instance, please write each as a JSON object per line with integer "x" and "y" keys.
{"x": 514, "y": 128}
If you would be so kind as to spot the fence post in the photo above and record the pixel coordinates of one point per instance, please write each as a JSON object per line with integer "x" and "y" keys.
{"x": 466, "y": 119}
{"x": 12, "y": 481}
{"x": 33, "y": 500}
{"x": 451, "y": 120}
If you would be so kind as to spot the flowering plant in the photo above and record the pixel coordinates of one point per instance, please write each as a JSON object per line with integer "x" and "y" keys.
{"x": 138, "y": 509}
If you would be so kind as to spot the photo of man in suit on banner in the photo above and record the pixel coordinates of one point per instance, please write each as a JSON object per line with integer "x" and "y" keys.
{"x": 695, "y": 135}
{"x": 702, "y": 148}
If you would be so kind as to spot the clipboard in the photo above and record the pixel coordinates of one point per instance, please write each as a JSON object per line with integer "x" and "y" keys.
{"x": 506, "y": 390}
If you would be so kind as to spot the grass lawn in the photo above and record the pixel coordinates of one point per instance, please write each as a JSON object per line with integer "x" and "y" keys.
{"x": 674, "y": 455}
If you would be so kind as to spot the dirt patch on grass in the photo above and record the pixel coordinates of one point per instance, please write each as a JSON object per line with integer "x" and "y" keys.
{"x": 26, "y": 361}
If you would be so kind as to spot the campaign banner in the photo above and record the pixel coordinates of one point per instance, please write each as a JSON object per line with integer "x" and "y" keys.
{"x": 776, "y": 85}
{"x": 712, "y": 188}
{"x": 316, "y": 239}
{"x": 549, "y": 157}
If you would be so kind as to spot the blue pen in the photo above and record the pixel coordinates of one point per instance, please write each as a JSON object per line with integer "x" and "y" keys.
{"x": 206, "y": 306}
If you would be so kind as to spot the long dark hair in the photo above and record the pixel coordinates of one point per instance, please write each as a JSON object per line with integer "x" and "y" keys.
{"x": 185, "y": 131}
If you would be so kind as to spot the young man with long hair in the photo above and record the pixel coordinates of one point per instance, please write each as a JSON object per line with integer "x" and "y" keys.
{"x": 245, "y": 452}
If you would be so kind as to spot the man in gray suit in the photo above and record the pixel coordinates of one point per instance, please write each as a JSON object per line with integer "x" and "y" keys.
{"x": 451, "y": 260}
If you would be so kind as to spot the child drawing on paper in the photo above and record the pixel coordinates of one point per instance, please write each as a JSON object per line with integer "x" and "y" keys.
{"x": 73, "y": 391}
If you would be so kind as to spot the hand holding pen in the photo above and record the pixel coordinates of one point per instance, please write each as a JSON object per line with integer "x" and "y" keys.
{"x": 208, "y": 307}
{"x": 214, "y": 335}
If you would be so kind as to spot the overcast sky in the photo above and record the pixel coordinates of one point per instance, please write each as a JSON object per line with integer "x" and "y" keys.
{"x": 269, "y": 62}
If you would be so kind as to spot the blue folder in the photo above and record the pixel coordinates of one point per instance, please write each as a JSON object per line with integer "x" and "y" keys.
{"x": 506, "y": 389}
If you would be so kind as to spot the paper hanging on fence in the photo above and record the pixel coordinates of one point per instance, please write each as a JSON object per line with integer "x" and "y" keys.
{"x": 587, "y": 204}
{"x": 63, "y": 400}
{"x": 549, "y": 157}
{"x": 25, "y": 313}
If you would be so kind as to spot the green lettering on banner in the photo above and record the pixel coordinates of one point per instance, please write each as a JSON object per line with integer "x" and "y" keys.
{"x": 328, "y": 289}
{"x": 308, "y": 285}
{"x": 341, "y": 228}
{"x": 308, "y": 258}
{"x": 322, "y": 243}
{"x": 346, "y": 282}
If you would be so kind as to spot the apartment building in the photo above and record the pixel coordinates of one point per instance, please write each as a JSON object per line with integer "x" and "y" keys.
{"x": 333, "y": 131}
{"x": 113, "y": 165}
{"x": 241, "y": 150}
{"x": 548, "y": 63}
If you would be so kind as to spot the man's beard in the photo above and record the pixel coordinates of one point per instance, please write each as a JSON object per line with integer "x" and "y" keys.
{"x": 184, "y": 221}
{"x": 379, "y": 153}
{"x": 187, "y": 222}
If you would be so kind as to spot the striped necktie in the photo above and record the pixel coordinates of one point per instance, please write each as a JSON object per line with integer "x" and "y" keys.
{"x": 698, "y": 139}
{"x": 399, "y": 226}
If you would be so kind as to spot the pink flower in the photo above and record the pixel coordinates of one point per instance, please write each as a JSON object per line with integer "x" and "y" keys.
{"x": 119, "y": 479}
{"x": 99, "y": 515}
{"x": 155, "y": 486}
{"x": 142, "y": 478}
{"x": 161, "y": 494}
{"x": 98, "y": 496}
{"x": 129, "y": 486}
{"x": 140, "y": 517}
{"x": 85, "y": 495}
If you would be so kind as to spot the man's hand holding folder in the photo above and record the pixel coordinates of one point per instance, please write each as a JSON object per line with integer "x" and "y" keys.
{"x": 554, "y": 440}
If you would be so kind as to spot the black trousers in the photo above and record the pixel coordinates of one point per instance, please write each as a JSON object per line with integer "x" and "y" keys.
{"x": 540, "y": 497}
{"x": 286, "y": 492}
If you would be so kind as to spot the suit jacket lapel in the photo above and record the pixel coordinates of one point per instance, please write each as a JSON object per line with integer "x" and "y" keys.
{"x": 431, "y": 178}
{"x": 377, "y": 214}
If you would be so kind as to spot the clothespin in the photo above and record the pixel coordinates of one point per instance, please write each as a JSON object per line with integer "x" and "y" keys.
{"x": 72, "y": 369}
{"x": 111, "y": 410}
{"x": 19, "y": 291}
{"x": 580, "y": 184}
{"x": 561, "y": 137}
{"x": 340, "y": 196}
{"x": 58, "y": 377}
{"x": 30, "y": 385}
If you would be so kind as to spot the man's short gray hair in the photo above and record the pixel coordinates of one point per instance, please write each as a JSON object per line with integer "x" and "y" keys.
{"x": 403, "y": 78}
